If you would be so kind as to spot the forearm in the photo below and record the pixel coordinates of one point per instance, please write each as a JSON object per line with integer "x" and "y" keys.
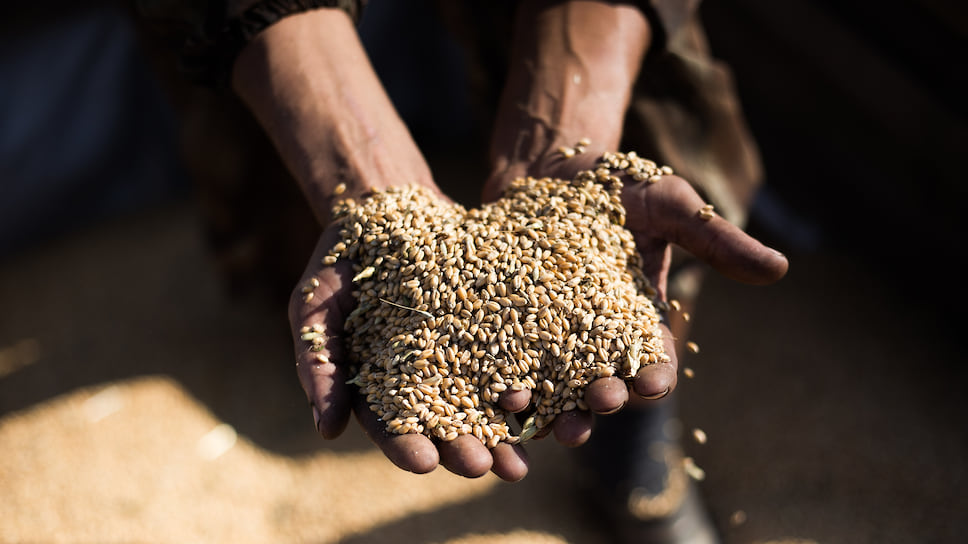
{"x": 309, "y": 82}
{"x": 574, "y": 67}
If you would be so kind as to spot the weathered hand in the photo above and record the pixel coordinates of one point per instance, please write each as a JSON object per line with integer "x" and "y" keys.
{"x": 659, "y": 215}
{"x": 669, "y": 212}
{"x": 319, "y": 306}
{"x": 309, "y": 83}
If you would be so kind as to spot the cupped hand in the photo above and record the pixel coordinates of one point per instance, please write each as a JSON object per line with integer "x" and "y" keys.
{"x": 319, "y": 304}
{"x": 659, "y": 215}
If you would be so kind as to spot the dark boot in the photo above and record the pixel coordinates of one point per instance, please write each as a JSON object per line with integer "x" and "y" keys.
{"x": 636, "y": 478}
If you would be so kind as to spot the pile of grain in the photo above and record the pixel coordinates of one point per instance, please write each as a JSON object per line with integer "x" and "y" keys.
{"x": 541, "y": 289}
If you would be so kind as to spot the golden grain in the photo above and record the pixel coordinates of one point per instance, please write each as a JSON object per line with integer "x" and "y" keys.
{"x": 456, "y": 306}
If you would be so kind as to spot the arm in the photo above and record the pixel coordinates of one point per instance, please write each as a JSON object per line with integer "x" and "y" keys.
{"x": 309, "y": 82}
{"x": 572, "y": 75}
{"x": 574, "y": 67}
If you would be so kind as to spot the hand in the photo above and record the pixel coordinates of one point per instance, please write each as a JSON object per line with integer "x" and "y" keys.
{"x": 658, "y": 215}
{"x": 308, "y": 81}
{"x": 323, "y": 377}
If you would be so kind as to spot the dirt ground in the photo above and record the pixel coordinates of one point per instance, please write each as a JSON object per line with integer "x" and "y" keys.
{"x": 138, "y": 403}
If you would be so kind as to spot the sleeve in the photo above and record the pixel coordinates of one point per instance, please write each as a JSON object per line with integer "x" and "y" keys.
{"x": 207, "y": 40}
{"x": 668, "y": 18}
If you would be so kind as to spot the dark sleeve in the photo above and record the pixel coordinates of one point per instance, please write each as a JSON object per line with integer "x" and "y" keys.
{"x": 207, "y": 40}
{"x": 668, "y": 18}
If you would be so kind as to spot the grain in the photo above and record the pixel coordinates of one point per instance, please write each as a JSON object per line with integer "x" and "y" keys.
{"x": 706, "y": 212}
{"x": 737, "y": 518}
{"x": 540, "y": 290}
{"x": 693, "y": 470}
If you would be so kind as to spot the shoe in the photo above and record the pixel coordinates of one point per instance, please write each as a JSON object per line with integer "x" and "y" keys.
{"x": 635, "y": 477}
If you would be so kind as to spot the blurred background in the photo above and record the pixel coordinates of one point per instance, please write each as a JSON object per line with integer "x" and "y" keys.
{"x": 149, "y": 237}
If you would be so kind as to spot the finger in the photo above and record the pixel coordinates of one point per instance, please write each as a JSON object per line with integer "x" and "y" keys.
{"x": 656, "y": 380}
{"x": 325, "y": 386}
{"x": 606, "y": 395}
{"x": 572, "y": 428}
{"x": 672, "y": 211}
{"x": 318, "y": 305}
{"x": 411, "y": 452}
{"x": 514, "y": 401}
{"x": 466, "y": 456}
{"x": 510, "y": 462}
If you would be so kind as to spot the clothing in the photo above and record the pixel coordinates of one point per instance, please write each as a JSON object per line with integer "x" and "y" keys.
{"x": 208, "y": 35}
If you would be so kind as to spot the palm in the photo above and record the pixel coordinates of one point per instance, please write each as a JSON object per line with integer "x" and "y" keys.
{"x": 659, "y": 215}
{"x": 322, "y": 305}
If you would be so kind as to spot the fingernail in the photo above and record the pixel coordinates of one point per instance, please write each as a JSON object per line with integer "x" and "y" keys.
{"x": 316, "y": 418}
{"x": 656, "y": 396}
{"x": 616, "y": 410}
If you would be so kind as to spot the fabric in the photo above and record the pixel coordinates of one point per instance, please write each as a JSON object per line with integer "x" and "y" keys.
{"x": 208, "y": 38}
{"x": 685, "y": 113}
{"x": 669, "y": 17}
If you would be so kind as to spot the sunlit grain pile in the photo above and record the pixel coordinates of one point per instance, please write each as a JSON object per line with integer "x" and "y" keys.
{"x": 541, "y": 289}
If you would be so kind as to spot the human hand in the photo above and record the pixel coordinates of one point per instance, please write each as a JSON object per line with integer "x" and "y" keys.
{"x": 662, "y": 213}
{"x": 318, "y": 309}
{"x": 319, "y": 100}
{"x": 321, "y": 103}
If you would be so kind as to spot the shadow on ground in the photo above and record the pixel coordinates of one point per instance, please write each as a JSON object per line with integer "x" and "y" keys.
{"x": 141, "y": 296}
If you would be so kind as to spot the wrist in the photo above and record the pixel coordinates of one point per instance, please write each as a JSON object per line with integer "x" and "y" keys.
{"x": 572, "y": 78}
{"x": 310, "y": 85}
